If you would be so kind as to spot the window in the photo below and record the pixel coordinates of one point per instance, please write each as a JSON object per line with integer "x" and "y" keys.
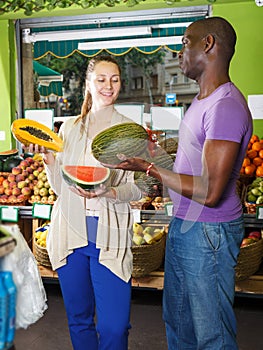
{"x": 137, "y": 83}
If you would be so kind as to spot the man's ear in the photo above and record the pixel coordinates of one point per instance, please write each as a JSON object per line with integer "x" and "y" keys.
{"x": 209, "y": 42}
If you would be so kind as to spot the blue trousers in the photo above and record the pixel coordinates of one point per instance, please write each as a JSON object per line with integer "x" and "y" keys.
{"x": 91, "y": 292}
{"x": 199, "y": 284}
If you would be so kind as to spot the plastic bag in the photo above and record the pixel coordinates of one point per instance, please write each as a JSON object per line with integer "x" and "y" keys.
{"x": 31, "y": 300}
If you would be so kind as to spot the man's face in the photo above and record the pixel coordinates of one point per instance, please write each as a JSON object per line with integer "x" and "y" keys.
{"x": 191, "y": 56}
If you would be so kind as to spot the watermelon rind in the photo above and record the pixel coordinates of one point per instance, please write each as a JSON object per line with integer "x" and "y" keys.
{"x": 73, "y": 181}
{"x": 10, "y": 153}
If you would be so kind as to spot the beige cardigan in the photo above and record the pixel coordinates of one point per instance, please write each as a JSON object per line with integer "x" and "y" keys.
{"x": 68, "y": 217}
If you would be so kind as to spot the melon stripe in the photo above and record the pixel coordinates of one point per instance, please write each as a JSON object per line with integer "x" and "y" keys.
{"x": 127, "y": 138}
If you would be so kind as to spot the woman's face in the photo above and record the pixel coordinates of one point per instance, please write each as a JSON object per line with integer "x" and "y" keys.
{"x": 104, "y": 84}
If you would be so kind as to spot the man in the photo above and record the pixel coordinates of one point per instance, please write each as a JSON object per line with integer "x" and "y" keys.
{"x": 205, "y": 234}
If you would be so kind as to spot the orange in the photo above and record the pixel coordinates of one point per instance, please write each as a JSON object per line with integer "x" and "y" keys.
{"x": 259, "y": 171}
{"x": 249, "y": 145}
{"x": 252, "y": 153}
{"x": 242, "y": 170}
{"x": 250, "y": 169}
{"x": 257, "y": 161}
{"x": 261, "y": 140}
{"x": 254, "y": 138}
{"x": 246, "y": 162}
{"x": 257, "y": 146}
{"x": 260, "y": 153}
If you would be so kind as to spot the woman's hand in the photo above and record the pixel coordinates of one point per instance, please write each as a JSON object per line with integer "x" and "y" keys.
{"x": 101, "y": 191}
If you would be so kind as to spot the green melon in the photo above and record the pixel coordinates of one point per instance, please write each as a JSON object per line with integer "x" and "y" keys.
{"x": 87, "y": 177}
{"x": 130, "y": 139}
{"x": 11, "y": 162}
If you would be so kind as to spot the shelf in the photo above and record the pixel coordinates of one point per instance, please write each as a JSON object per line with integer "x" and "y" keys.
{"x": 251, "y": 287}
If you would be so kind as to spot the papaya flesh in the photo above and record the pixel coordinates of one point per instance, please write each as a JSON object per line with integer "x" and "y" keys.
{"x": 29, "y": 131}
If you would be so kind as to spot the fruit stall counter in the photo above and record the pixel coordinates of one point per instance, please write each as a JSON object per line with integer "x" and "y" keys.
{"x": 251, "y": 286}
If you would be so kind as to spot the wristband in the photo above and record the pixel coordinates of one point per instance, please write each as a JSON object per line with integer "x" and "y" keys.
{"x": 149, "y": 168}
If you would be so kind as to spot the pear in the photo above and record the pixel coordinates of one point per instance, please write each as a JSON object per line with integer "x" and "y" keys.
{"x": 147, "y": 229}
{"x": 137, "y": 239}
{"x": 137, "y": 228}
{"x": 148, "y": 238}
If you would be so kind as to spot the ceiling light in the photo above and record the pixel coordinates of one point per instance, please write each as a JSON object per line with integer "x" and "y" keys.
{"x": 172, "y": 25}
{"x": 115, "y": 44}
{"x": 89, "y": 34}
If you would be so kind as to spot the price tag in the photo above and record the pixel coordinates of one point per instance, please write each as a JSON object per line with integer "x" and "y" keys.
{"x": 136, "y": 215}
{"x": 41, "y": 211}
{"x": 259, "y": 213}
{"x": 168, "y": 207}
{"x": 9, "y": 213}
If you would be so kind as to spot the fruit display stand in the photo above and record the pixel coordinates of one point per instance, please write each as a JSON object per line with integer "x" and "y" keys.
{"x": 252, "y": 286}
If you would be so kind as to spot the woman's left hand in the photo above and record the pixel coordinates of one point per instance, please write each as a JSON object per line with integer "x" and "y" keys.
{"x": 98, "y": 192}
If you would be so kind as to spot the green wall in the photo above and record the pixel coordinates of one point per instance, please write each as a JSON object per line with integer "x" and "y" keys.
{"x": 7, "y": 83}
{"x": 246, "y": 68}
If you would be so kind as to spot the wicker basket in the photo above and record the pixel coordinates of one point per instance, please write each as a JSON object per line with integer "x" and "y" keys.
{"x": 148, "y": 257}
{"x": 249, "y": 260}
{"x": 41, "y": 255}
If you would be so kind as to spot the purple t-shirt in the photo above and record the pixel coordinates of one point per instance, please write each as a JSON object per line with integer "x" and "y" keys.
{"x": 223, "y": 115}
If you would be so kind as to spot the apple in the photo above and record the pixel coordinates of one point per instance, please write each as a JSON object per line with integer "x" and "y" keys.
{"x": 51, "y": 198}
{"x": 26, "y": 191}
{"x": 29, "y": 170}
{"x": 21, "y": 197}
{"x": 43, "y": 192}
{"x": 50, "y": 191}
{"x": 44, "y": 199}
{"x": 2, "y": 190}
{"x": 32, "y": 166}
{"x": 21, "y": 184}
{"x": 5, "y": 183}
{"x": 16, "y": 170}
{"x": 37, "y": 198}
{"x": 255, "y": 234}
{"x": 11, "y": 177}
{"x": 24, "y": 173}
{"x": 8, "y": 191}
{"x": 4, "y": 198}
{"x": 46, "y": 184}
{"x": 12, "y": 198}
{"x": 24, "y": 164}
{"x": 31, "y": 177}
{"x": 16, "y": 191}
{"x": 30, "y": 160}
{"x": 12, "y": 184}
{"x": 246, "y": 242}
{"x": 20, "y": 177}
{"x": 36, "y": 173}
{"x": 40, "y": 184}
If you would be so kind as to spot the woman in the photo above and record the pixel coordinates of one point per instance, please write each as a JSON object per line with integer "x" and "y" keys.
{"x": 90, "y": 234}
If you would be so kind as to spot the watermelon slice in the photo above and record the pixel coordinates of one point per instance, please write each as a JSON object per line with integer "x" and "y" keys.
{"x": 87, "y": 177}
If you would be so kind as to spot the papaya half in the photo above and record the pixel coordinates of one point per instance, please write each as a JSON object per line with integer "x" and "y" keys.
{"x": 29, "y": 131}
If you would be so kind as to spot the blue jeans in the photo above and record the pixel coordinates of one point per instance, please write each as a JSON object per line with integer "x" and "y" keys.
{"x": 199, "y": 284}
{"x": 87, "y": 286}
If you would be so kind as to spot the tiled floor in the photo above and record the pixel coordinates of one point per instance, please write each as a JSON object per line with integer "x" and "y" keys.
{"x": 147, "y": 333}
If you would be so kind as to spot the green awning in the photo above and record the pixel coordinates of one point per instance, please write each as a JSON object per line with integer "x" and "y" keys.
{"x": 49, "y": 81}
{"x": 161, "y": 29}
